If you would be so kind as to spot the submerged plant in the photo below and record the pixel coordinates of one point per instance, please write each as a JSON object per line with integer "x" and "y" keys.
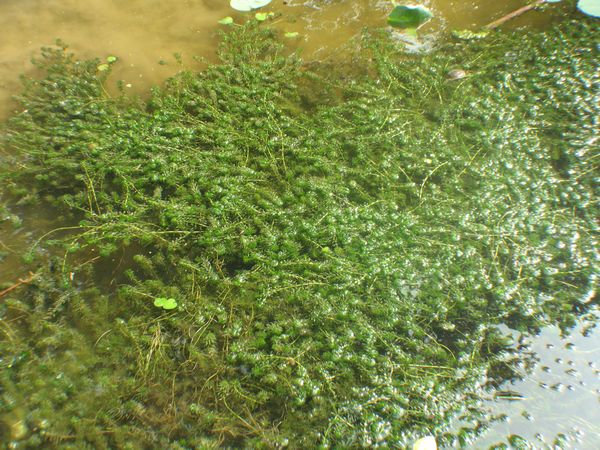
{"x": 342, "y": 244}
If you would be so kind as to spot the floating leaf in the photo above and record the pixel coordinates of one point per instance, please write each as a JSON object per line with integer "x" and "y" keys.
{"x": 248, "y": 5}
{"x": 102, "y": 67}
{"x": 226, "y": 20}
{"x": 291, "y": 34}
{"x": 412, "y": 16}
{"x": 165, "y": 303}
{"x": 111, "y": 59}
{"x": 425, "y": 443}
{"x": 589, "y": 7}
{"x": 261, "y": 16}
{"x": 170, "y": 304}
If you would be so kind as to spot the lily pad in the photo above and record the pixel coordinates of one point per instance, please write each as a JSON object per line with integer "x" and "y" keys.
{"x": 111, "y": 59}
{"x": 589, "y": 7}
{"x": 165, "y": 303}
{"x": 411, "y": 16}
{"x": 248, "y": 5}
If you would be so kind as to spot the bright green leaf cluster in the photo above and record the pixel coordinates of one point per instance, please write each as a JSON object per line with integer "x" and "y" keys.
{"x": 165, "y": 303}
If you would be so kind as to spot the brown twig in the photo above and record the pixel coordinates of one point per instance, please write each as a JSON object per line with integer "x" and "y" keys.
{"x": 21, "y": 281}
{"x": 512, "y": 15}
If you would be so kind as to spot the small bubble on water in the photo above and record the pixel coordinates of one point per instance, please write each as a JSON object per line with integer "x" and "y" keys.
{"x": 527, "y": 416}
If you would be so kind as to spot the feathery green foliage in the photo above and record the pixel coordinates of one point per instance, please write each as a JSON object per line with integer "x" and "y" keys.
{"x": 342, "y": 245}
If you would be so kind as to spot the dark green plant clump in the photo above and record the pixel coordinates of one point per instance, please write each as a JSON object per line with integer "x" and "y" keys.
{"x": 340, "y": 246}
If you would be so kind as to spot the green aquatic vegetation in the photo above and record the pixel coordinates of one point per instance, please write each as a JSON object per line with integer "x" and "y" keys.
{"x": 165, "y": 303}
{"x": 261, "y": 17}
{"x": 342, "y": 244}
{"x": 226, "y": 20}
{"x": 409, "y": 17}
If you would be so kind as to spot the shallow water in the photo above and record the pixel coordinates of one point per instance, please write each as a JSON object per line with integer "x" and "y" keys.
{"x": 560, "y": 393}
{"x": 144, "y": 33}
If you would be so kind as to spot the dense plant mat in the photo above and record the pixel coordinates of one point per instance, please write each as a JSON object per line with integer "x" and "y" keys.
{"x": 337, "y": 245}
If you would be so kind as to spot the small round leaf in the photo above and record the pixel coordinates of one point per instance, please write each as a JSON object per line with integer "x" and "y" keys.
{"x": 171, "y": 303}
{"x": 409, "y": 16}
{"x": 226, "y": 20}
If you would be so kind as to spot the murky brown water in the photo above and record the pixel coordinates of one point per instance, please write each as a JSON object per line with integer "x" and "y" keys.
{"x": 144, "y": 32}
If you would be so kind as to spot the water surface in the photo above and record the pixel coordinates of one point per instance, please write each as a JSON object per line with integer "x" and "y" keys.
{"x": 145, "y": 33}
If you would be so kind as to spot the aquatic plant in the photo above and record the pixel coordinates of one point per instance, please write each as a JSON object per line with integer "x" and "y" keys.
{"x": 342, "y": 242}
{"x": 165, "y": 303}
{"x": 409, "y": 17}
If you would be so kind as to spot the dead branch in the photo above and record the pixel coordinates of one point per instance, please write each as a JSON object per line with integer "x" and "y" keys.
{"x": 512, "y": 15}
{"x": 21, "y": 281}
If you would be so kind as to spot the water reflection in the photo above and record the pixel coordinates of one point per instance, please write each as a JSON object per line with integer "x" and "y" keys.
{"x": 555, "y": 397}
